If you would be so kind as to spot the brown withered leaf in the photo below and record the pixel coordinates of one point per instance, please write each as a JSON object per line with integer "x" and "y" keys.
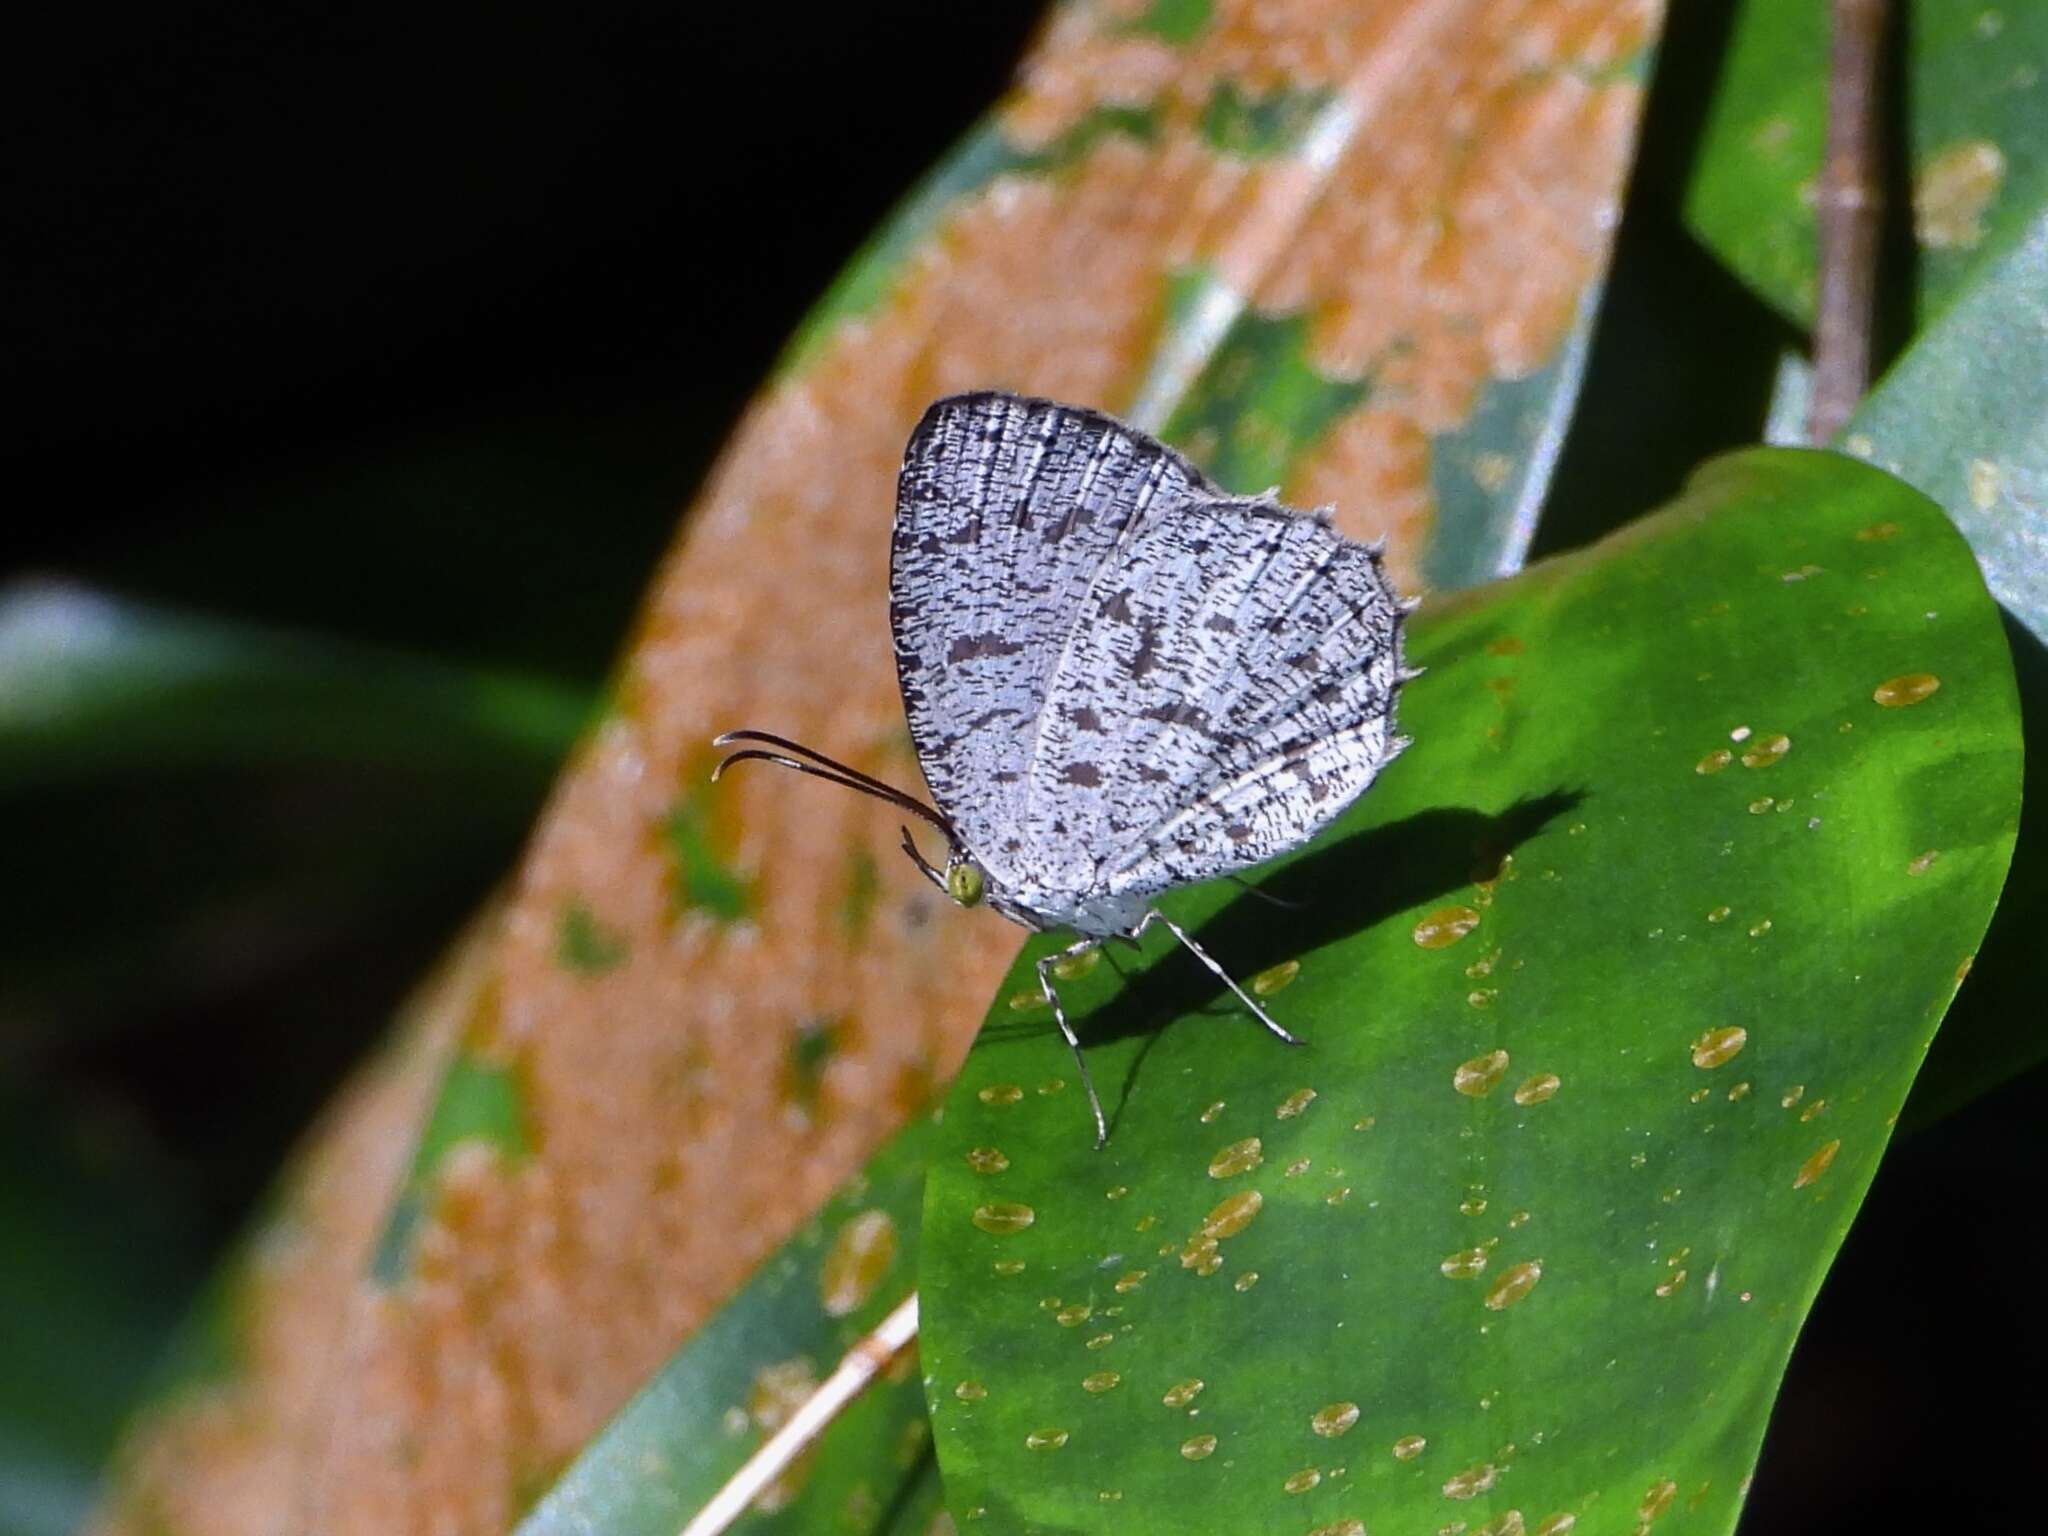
{"x": 1346, "y": 250}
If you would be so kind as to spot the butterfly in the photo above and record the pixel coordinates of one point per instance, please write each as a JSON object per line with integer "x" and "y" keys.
{"x": 1119, "y": 678}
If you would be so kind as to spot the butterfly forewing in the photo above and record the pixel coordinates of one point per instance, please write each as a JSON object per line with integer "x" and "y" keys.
{"x": 1007, "y": 512}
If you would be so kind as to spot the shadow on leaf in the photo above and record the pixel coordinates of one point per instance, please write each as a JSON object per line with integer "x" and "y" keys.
{"x": 1335, "y": 890}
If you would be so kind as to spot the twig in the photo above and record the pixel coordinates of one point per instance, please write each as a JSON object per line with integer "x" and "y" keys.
{"x": 1847, "y": 205}
{"x": 862, "y": 1364}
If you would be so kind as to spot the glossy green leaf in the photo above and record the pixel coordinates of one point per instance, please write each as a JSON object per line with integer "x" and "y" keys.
{"x": 91, "y": 684}
{"x": 710, "y": 1406}
{"x": 1611, "y": 991}
{"x": 1964, "y": 416}
{"x": 1974, "y": 131}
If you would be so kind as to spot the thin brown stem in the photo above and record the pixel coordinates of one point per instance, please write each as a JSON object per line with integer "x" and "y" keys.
{"x": 1847, "y": 207}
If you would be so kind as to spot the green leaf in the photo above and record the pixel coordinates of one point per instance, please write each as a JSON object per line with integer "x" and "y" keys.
{"x": 583, "y": 943}
{"x": 1611, "y": 991}
{"x": 1261, "y": 404}
{"x": 922, "y": 1510}
{"x": 93, "y": 684}
{"x": 1178, "y": 22}
{"x": 710, "y": 1406}
{"x": 1993, "y": 1033}
{"x": 1973, "y": 125}
{"x": 1963, "y": 415}
{"x": 703, "y": 878}
{"x": 480, "y": 1101}
{"x": 1256, "y": 126}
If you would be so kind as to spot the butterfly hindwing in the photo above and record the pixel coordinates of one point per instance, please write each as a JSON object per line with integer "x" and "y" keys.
{"x": 1238, "y": 667}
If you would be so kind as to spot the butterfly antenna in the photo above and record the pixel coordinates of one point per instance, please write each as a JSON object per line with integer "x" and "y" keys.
{"x": 784, "y": 744}
{"x": 925, "y": 866}
{"x": 789, "y": 754}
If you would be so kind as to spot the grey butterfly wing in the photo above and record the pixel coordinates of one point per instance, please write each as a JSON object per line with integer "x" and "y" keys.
{"x": 1240, "y": 663}
{"x": 1006, "y": 512}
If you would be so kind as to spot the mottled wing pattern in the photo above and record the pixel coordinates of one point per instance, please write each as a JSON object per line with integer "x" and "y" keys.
{"x": 1007, "y": 511}
{"x": 1229, "y": 690}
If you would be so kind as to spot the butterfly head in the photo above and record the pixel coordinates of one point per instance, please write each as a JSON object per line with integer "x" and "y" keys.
{"x": 965, "y": 882}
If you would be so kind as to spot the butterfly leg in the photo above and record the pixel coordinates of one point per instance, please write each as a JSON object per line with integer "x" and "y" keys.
{"x": 1073, "y": 1041}
{"x": 1201, "y": 954}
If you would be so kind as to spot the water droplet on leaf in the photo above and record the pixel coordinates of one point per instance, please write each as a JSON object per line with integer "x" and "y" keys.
{"x": 1515, "y": 1282}
{"x": 1907, "y": 688}
{"x": 1238, "y": 1157}
{"x": 1074, "y": 967}
{"x": 1471, "y": 1482}
{"x": 1003, "y": 1217}
{"x": 1273, "y": 978}
{"x": 1445, "y": 926}
{"x": 1333, "y": 1419}
{"x": 1232, "y": 1214}
{"x": 1657, "y": 1499}
{"x": 1816, "y": 1165}
{"x": 1479, "y": 1076}
{"x": 1719, "y": 1046}
{"x": 1767, "y": 751}
{"x": 1464, "y": 1264}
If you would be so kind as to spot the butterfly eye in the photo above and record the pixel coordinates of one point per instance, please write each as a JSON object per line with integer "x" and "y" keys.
{"x": 964, "y": 883}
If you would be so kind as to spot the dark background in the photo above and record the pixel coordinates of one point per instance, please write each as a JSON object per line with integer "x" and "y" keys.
{"x": 417, "y": 326}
